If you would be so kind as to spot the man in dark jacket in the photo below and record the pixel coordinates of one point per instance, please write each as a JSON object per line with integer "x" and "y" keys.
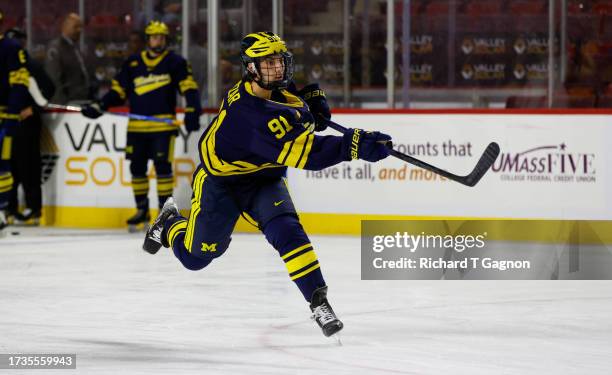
{"x": 65, "y": 65}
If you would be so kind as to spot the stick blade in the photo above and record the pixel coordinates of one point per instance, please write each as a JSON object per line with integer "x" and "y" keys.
{"x": 486, "y": 161}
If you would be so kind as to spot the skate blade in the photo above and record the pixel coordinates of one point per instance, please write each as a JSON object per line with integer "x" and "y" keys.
{"x": 27, "y": 223}
{"x": 336, "y": 337}
{"x": 138, "y": 228}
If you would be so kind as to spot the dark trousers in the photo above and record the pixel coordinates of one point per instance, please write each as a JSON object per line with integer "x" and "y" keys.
{"x": 6, "y": 178}
{"x": 26, "y": 164}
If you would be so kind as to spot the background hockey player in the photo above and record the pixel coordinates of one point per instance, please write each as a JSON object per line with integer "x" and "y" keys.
{"x": 262, "y": 129}
{"x": 14, "y": 81}
{"x": 150, "y": 81}
{"x": 26, "y": 162}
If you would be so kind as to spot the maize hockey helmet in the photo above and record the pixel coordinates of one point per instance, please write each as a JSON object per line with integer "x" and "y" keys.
{"x": 157, "y": 28}
{"x": 257, "y": 47}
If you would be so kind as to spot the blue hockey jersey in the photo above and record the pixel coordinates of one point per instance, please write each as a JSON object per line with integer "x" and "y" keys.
{"x": 14, "y": 78}
{"x": 252, "y": 136}
{"x": 150, "y": 85}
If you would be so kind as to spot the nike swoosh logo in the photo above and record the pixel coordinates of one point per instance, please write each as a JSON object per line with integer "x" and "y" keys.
{"x": 278, "y": 203}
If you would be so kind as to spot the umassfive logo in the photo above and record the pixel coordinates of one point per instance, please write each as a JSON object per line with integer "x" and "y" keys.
{"x": 547, "y": 163}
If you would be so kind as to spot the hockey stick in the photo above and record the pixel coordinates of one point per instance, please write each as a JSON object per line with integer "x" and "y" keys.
{"x": 9, "y": 116}
{"x": 133, "y": 116}
{"x": 484, "y": 163}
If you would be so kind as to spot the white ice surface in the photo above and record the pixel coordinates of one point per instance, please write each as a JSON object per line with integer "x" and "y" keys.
{"x": 122, "y": 311}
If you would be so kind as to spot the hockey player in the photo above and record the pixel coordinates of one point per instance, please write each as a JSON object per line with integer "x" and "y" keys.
{"x": 26, "y": 159}
{"x": 14, "y": 81}
{"x": 150, "y": 80}
{"x": 262, "y": 129}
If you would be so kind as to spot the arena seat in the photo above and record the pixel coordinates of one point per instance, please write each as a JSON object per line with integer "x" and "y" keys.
{"x": 479, "y": 8}
{"x": 527, "y": 7}
{"x": 602, "y": 7}
{"x": 437, "y": 8}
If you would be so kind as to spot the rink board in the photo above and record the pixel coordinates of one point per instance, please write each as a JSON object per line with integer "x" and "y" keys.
{"x": 552, "y": 166}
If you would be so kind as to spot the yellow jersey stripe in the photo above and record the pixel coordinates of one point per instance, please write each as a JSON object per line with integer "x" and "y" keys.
{"x": 187, "y": 84}
{"x": 283, "y": 154}
{"x": 297, "y": 150}
{"x": 19, "y": 77}
{"x": 292, "y": 100}
{"x": 116, "y": 86}
{"x": 7, "y": 181}
{"x": 151, "y": 63}
{"x": 6, "y": 148}
{"x": 145, "y": 85}
{"x": 219, "y": 167}
{"x": 304, "y": 157}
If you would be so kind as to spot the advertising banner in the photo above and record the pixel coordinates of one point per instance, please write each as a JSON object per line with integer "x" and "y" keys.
{"x": 550, "y": 167}
{"x": 84, "y": 162}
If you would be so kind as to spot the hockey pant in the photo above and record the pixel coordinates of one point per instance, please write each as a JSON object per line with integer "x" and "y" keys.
{"x": 215, "y": 209}
{"x": 26, "y": 164}
{"x": 159, "y": 147}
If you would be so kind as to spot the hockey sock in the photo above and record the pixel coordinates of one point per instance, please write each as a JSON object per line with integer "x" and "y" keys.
{"x": 6, "y": 185}
{"x": 172, "y": 228}
{"x": 140, "y": 186}
{"x": 165, "y": 185}
{"x": 287, "y": 236}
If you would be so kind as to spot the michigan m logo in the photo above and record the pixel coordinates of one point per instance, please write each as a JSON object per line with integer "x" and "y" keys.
{"x": 206, "y": 247}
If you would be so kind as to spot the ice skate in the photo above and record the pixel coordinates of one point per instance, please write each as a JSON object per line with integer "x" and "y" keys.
{"x": 153, "y": 241}
{"x": 140, "y": 221}
{"x": 3, "y": 224}
{"x": 323, "y": 313}
{"x": 27, "y": 218}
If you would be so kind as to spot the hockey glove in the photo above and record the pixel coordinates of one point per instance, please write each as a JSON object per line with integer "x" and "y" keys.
{"x": 92, "y": 110}
{"x": 314, "y": 96}
{"x": 368, "y": 146}
{"x": 192, "y": 119}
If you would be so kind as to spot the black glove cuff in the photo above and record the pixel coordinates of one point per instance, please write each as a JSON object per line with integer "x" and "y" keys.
{"x": 351, "y": 140}
{"x": 311, "y": 91}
